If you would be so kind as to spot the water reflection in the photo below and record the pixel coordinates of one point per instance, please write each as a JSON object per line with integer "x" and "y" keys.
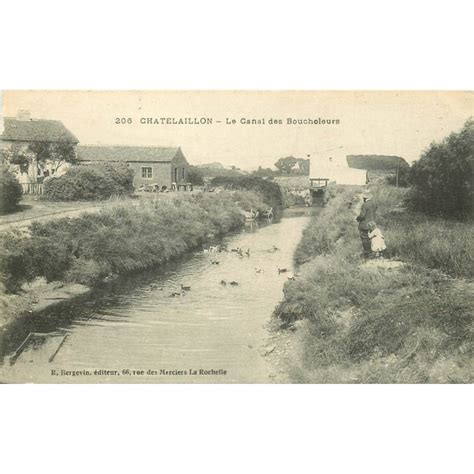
{"x": 135, "y": 324}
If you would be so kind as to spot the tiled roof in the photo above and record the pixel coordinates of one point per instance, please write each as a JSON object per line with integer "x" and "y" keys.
{"x": 36, "y": 130}
{"x": 125, "y": 153}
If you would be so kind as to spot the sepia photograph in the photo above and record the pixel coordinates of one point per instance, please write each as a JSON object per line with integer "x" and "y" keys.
{"x": 272, "y": 237}
{"x": 236, "y": 237}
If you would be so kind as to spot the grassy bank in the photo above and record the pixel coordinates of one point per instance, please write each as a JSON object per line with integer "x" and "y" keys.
{"x": 376, "y": 323}
{"x": 127, "y": 237}
{"x": 437, "y": 243}
{"x": 294, "y": 189}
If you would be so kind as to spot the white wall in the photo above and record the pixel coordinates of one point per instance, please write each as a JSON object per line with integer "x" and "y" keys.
{"x": 334, "y": 167}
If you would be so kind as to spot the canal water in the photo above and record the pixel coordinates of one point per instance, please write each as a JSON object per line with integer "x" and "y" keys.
{"x": 135, "y": 331}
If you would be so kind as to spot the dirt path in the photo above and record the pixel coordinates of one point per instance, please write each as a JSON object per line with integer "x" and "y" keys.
{"x": 26, "y": 221}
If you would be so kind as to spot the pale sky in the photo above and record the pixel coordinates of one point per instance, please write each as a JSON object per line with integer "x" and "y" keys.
{"x": 389, "y": 123}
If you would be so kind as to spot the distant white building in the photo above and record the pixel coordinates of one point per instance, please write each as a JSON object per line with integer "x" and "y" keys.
{"x": 334, "y": 169}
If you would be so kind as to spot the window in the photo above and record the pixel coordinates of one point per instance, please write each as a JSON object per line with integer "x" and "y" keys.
{"x": 147, "y": 172}
{"x": 183, "y": 174}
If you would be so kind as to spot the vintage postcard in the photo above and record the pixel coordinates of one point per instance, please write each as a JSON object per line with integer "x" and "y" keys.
{"x": 236, "y": 237}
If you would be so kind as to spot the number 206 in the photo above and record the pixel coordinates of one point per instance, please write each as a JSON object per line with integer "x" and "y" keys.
{"x": 122, "y": 120}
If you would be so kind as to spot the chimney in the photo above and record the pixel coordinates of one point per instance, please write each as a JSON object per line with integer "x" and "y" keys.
{"x": 23, "y": 115}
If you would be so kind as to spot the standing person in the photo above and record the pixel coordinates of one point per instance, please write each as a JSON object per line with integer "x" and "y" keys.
{"x": 377, "y": 240}
{"x": 367, "y": 214}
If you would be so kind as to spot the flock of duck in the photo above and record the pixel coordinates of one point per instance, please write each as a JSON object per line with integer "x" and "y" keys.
{"x": 212, "y": 251}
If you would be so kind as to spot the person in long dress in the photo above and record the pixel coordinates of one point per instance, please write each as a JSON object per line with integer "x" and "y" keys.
{"x": 377, "y": 240}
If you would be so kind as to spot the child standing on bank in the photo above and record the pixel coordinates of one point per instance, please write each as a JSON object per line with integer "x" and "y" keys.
{"x": 377, "y": 240}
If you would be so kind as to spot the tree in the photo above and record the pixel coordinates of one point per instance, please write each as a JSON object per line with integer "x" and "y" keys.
{"x": 53, "y": 153}
{"x": 61, "y": 153}
{"x": 292, "y": 165}
{"x": 40, "y": 150}
{"x": 269, "y": 190}
{"x": 40, "y": 154}
{"x": 195, "y": 176}
{"x": 303, "y": 166}
{"x": 263, "y": 172}
{"x": 442, "y": 178}
{"x": 285, "y": 165}
{"x": 14, "y": 155}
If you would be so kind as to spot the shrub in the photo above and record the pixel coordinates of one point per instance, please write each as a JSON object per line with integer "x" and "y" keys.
{"x": 120, "y": 176}
{"x": 403, "y": 177}
{"x": 116, "y": 240}
{"x": 269, "y": 190}
{"x": 249, "y": 200}
{"x": 10, "y": 191}
{"x": 295, "y": 190}
{"x": 15, "y": 262}
{"x": 87, "y": 183}
{"x": 86, "y": 272}
{"x": 442, "y": 177}
{"x": 48, "y": 257}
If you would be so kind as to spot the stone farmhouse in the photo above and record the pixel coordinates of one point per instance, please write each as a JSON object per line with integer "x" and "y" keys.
{"x": 158, "y": 167}
{"x": 21, "y": 131}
